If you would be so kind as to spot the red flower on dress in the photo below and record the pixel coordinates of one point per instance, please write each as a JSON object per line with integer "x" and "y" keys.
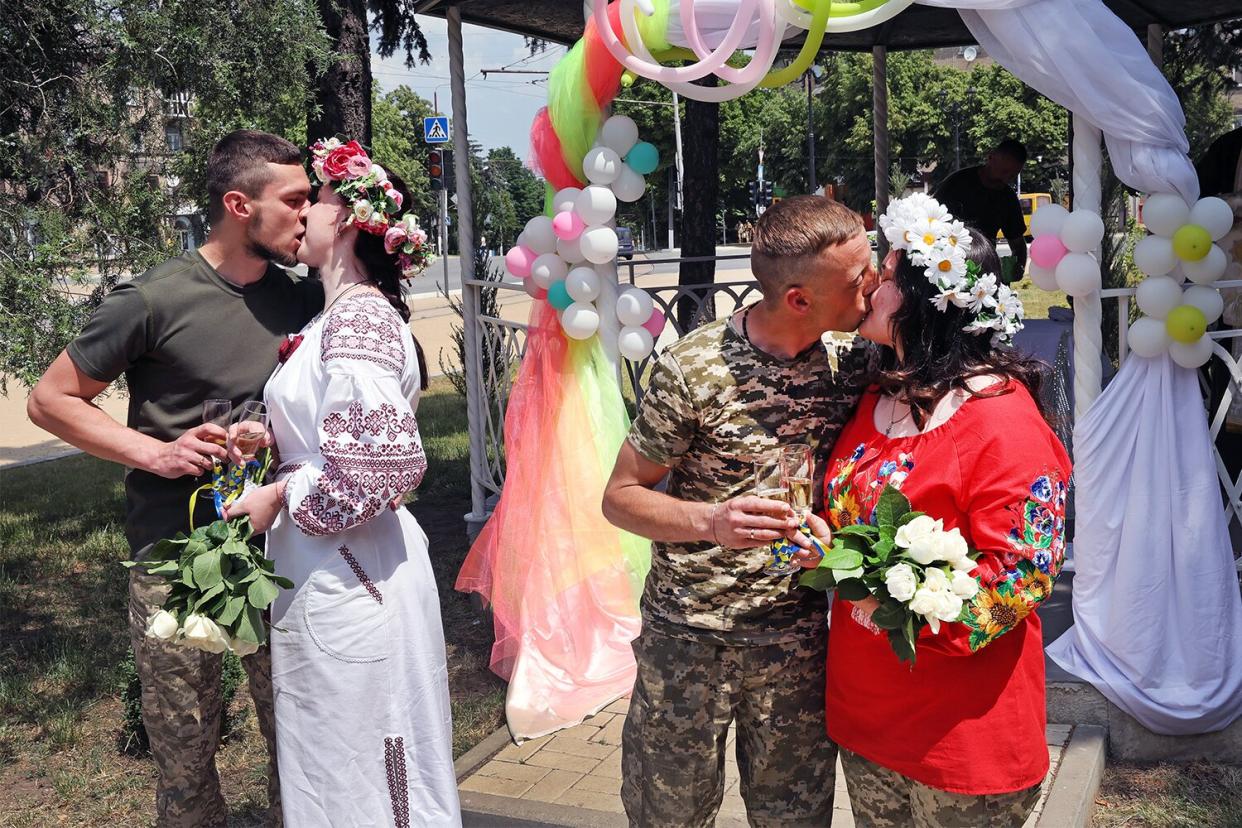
{"x": 287, "y": 347}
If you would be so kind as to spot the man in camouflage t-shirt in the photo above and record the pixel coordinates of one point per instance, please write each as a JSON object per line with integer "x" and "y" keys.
{"x": 722, "y": 640}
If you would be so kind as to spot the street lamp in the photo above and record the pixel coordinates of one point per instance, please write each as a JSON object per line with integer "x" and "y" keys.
{"x": 957, "y": 111}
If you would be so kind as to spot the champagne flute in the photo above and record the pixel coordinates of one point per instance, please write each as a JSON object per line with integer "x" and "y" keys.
{"x": 217, "y": 412}
{"x": 770, "y": 484}
{"x": 798, "y": 471}
{"x": 249, "y": 429}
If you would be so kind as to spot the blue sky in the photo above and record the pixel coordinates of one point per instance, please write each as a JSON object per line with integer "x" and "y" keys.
{"x": 501, "y": 108}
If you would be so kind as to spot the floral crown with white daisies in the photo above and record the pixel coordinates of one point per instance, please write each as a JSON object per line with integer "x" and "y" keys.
{"x": 373, "y": 201}
{"x": 934, "y": 240}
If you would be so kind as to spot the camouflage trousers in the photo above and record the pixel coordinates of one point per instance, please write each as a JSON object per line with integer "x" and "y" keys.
{"x": 673, "y": 744}
{"x": 181, "y": 707}
{"x": 883, "y": 798}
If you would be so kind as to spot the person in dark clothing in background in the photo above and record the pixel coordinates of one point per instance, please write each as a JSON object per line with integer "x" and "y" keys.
{"x": 983, "y": 198}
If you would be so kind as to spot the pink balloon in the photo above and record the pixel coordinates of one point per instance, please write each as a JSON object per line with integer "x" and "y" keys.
{"x": 518, "y": 260}
{"x": 656, "y": 323}
{"x": 567, "y": 225}
{"x": 1047, "y": 251}
{"x": 533, "y": 290}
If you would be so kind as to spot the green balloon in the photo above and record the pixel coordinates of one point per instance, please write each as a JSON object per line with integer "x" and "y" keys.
{"x": 558, "y": 296}
{"x": 1191, "y": 242}
{"x": 643, "y": 158}
{"x": 1185, "y": 323}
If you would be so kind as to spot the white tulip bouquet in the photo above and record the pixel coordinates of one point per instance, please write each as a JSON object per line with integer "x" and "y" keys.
{"x": 908, "y": 561}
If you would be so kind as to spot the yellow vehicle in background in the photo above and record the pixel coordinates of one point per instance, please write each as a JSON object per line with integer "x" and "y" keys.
{"x": 1030, "y": 203}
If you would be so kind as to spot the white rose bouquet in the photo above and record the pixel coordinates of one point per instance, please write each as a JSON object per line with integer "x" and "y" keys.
{"x": 908, "y": 561}
{"x": 220, "y": 585}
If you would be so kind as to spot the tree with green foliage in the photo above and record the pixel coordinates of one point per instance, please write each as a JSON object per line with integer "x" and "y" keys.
{"x": 82, "y": 120}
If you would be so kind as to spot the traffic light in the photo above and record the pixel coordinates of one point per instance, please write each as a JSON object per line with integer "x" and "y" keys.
{"x": 753, "y": 186}
{"x": 766, "y": 198}
{"x": 435, "y": 168}
{"x": 450, "y": 174}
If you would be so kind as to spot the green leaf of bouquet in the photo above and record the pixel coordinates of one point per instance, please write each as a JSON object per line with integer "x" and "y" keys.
{"x": 218, "y": 532}
{"x": 166, "y": 550}
{"x": 233, "y": 606}
{"x": 165, "y": 568}
{"x": 283, "y": 583}
{"x": 819, "y": 578}
{"x": 853, "y": 589}
{"x": 187, "y": 576}
{"x": 194, "y": 548}
{"x": 909, "y": 516}
{"x": 891, "y": 615}
{"x": 902, "y": 645}
{"x": 891, "y": 506}
{"x": 250, "y": 626}
{"x": 235, "y": 548}
{"x": 841, "y": 558}
{"x": 883, "y": 548}
{"x": 199, "y": 534}
{"x": 266, "y": 564}
{"x": 207, "y": 569}
{"x": 262, "y": 593}
{"x": 863, "y": 529}
{"x": 245, "y": 531}
{"x": 207, "y": 595}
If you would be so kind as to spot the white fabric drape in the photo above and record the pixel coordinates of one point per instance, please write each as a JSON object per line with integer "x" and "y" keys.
{"x": 1157, "y": 612}
{"x": 1081, "y": 55}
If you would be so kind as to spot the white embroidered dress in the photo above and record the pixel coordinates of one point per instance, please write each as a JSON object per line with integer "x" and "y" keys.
{"x": 364, "y": 736}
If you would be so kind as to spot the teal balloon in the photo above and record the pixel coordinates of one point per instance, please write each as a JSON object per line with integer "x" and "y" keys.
{"x": 558, "y": 296}
{"x": 643, "y": 158}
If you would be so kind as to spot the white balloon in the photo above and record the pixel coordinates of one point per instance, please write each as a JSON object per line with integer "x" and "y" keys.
{"x": 580, "y": 320}
{"x": 1154, "y": 255}
{"x": 1213, "y": 215}
{"x": 1208, "y": 269}
{"x": 564, "y": 199}
{"x": 601, "y": 165}
{"x": 583, "y": 284}
{"x": 539, "y": 235}
{"x": 619, "y": 133}
{"x": 599, "y": 244}
{"x": 1043, "y": 277}
{"x": 1147, "y": 337}
{"x": 547, "y": 269}
{"x": 1048, "y": 220}
{"x": 1082, "y": 231}
{"x": 1206, "y": 299}
{"x": 1192, "y": 354}
{"x": 522, "y": 240}
{"x": 1158, "y": 295}
{"x": 596, "y": 205}
{"x": 634, "y": 307}
{"x": 635, "y": 342}
{"x": 629, "y": 186}
{"x": 1163, "y": 213}
{"x": 1078, "y": 274}
{"x": 570, "y": 250}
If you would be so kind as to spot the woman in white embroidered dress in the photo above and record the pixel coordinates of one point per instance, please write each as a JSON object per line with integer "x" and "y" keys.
{"x": 358, "y": 661}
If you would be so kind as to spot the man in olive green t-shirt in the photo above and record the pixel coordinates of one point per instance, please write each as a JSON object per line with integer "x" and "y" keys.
{"x": 205, "y": 325}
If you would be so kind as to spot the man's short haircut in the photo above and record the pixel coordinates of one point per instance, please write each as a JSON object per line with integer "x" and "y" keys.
{"x": 239, "y": 162}
{"x": 1013, "y": 148}
{"x": 794, "y": 230}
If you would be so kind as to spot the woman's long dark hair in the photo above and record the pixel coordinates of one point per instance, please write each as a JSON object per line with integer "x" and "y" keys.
{"x": 939, "y": 356}
{"x": 383, "y": 271}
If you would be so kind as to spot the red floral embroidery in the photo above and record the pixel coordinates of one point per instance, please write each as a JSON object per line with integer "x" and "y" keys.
{"x": 287, "y": 347}
{"x": 398, "y": 786}
{"x": 360, "y": 574}
{"x": 364, "y": 328}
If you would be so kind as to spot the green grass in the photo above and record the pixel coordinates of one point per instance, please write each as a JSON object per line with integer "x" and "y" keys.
{"x": 1195, "y": 795}
{"x": 63, "y": 638}
{"x": 1037, "y": 302}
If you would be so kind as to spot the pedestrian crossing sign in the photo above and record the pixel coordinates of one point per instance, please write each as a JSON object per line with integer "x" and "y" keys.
{"x": 436, "y": 129}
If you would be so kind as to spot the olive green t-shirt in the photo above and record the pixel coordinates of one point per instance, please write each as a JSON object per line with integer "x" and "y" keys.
{"x": 182, "y": 334}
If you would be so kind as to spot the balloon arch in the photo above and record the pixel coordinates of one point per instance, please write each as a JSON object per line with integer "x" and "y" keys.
{"x": 563, "y": 584}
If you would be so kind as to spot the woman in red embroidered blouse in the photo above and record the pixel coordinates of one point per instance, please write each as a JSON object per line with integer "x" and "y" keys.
{"x": 957, "y": 739}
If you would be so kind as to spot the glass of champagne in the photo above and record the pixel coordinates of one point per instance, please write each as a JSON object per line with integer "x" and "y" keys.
{"x": 797, "y": 471}
{"x": 249, "y": 429}
{"x": 770, "y": 484}
{"x": 217, "y": 412}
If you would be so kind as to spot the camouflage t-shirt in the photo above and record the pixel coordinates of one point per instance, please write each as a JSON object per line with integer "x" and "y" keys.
{"x": 713, "y": 404}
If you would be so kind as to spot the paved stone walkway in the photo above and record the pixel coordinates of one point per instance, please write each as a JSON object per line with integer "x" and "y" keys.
{"x": 581, "y": 768}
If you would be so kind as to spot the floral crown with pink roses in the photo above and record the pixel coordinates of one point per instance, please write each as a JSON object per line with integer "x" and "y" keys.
{"x": 923, "y": 227}
{"x": 373, "y": 201}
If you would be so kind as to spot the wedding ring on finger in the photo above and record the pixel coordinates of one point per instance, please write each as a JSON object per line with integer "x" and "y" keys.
{"x": 751, "y": 534}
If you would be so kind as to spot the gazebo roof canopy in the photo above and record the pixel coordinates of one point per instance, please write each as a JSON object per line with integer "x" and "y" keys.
{"x": 918, "y": 27}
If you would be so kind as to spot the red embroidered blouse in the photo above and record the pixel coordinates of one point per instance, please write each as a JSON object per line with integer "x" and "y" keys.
{"x": 969, "y": 717}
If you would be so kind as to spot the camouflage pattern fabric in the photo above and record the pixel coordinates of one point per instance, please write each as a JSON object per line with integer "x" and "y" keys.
{"x": 882, "y": 798}
{"x": 181, "y": 707}
{"x": 685, "y": 696}
{"x": 713, "y": 404}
